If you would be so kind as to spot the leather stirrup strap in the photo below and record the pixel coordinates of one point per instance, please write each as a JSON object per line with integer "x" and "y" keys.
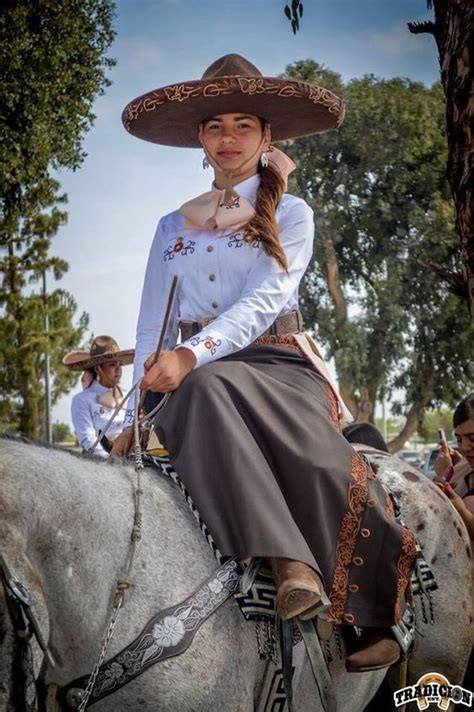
{"x": 286, "y": 644}
{"x": 167, "y": 634}
{"x": 248, "y": 577}
{"x": 319, "y": 665}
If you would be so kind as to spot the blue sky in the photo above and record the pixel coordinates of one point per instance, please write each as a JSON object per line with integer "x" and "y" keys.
{"x": 125, "y": 185}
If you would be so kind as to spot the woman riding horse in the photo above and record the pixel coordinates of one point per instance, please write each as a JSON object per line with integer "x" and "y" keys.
{"x": 252, "y": 426}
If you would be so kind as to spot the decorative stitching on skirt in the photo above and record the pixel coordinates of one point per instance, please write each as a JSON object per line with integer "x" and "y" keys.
{"x": 404, "y": 567}
{"x": 333, "y": 405}
{"x": 347, "y": 538}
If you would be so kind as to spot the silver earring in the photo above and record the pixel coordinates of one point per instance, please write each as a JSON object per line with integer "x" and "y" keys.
{"x": 205, "y": 162}
{"x": 264, "y": 160}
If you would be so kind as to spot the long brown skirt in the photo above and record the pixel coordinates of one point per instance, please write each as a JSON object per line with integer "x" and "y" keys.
{"x": 254, "y": 438}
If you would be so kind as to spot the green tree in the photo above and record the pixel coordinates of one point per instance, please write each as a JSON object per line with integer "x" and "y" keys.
{"x": 453, "y": 31}
{"x": 62, "y": 433}
{"x": 52, "y": 64}
{"x": 434, "y": 419}
{"x": 383, "y": 211}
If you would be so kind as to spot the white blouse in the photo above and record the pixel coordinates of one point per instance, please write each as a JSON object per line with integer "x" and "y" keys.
{"x": 89, "y": 416}
{"x": 221, "y": 277}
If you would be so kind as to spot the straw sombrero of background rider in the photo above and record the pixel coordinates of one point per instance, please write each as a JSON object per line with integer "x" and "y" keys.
{"x": 171, "y": 115}
{"x": 104, "y": 349}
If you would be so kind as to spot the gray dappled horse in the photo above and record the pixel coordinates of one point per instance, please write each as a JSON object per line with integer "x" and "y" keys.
{"x": 65, "y": 526}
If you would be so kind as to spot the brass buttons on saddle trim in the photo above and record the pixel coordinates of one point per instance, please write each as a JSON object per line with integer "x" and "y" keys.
{"x": 212, "y": 278}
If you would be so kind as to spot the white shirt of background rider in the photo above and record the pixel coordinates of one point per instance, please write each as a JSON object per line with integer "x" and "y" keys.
{"x": 89, "y": 416}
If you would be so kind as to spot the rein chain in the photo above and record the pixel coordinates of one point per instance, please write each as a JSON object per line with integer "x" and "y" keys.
{"x": 123, "y": 583}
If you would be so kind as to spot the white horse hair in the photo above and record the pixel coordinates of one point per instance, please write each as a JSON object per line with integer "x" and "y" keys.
{"x": 65, "y": 526}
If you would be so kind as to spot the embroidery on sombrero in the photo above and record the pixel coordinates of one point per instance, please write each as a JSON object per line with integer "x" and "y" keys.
{"x": 230, "y": 85}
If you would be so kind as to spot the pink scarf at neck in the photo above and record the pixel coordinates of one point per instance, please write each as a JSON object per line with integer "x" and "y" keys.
{"x": 211, "y": 211}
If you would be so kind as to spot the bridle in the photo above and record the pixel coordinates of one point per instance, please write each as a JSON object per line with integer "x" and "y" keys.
{"x": 25, "y": 626}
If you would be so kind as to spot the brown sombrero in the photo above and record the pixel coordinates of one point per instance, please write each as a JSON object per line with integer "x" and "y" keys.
{"x": 104, "y": 349}
{"x": 171, "y": 115}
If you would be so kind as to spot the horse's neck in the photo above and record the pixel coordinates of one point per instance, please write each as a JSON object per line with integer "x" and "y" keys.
{"x": 69, "y": 531}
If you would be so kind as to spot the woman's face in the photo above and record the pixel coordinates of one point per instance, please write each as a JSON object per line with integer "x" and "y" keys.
{"x": 234, "y": 139}
{"x": 464, "y": 434}
{"x": 109, "y": 374}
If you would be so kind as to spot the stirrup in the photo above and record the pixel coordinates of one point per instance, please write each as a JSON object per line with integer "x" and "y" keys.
{"x": 319, "y": 608}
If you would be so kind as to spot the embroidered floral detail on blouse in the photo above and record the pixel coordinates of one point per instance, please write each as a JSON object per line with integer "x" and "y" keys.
{"x": 237, "y": 240}
{"x": 188, "y": 248}
{"x": 178, "y": 248}
{"x": 169, "y": 631}
{"x": 208, "y": 341}
{"x": 168, "y": 254}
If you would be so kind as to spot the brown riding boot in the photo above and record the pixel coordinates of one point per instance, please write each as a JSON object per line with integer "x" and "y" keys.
{"x": 299, "y": 589}
{"x": 374, "y": 650}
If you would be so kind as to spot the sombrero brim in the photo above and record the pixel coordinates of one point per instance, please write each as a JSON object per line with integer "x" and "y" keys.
{"x": 82, "y": 360}
{"x": 171, "y": 115}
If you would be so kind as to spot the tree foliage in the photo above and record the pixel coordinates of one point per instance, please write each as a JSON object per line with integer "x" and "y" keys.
{"x": 453, "y": 31}
{"x": 62, "y": 433}
{"x": 383, "y": 211}
{"x": 52, "y": 64}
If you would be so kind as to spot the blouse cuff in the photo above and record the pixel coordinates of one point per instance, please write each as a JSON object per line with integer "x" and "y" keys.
{"x": 205, "y": 347}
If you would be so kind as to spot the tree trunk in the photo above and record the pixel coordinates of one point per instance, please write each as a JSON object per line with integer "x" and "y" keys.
{"x": 362, "y": 407}
{"x": 408, "y": 429}
{"x": 331, "y": 269}
{"x": 453, "y": 31}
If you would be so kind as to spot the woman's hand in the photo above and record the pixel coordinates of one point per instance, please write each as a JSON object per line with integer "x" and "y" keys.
{"x": 123, "y": 443}
{"x": 169, "y": 371}
{"x": 446, "y": 458}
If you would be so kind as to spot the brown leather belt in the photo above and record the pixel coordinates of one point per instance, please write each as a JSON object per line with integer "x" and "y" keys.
{"x": 289, "y": 323}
